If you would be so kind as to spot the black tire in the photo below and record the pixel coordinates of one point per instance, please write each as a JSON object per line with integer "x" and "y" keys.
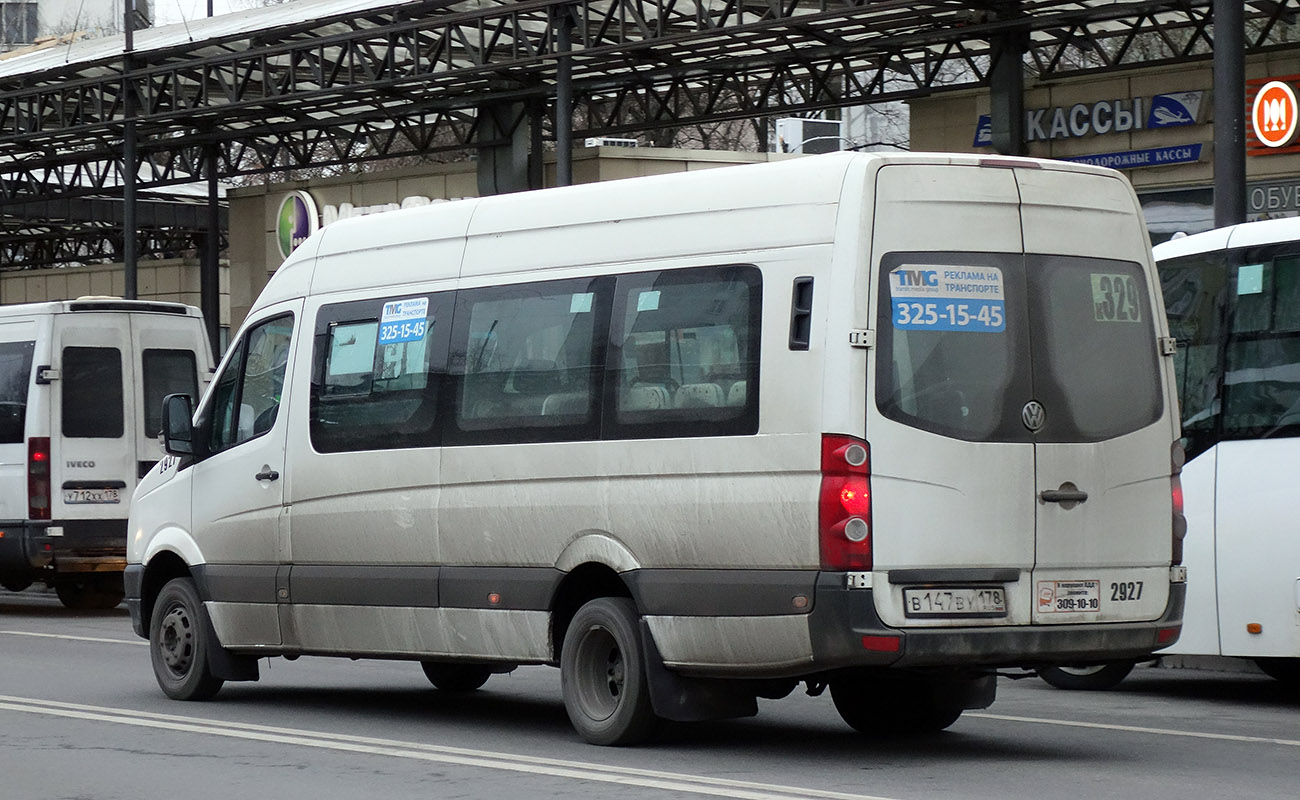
{"x": 1091, "y": 677}
{"x": 1286, "y": 670}
{"x": 15, "y": 583}
{"x": 179, "y": 643}
{"x": 90, "y": 593}
{"x": 602, "y": 674}
{"x": 884, "y": 708}
{"x": 453, "y": 677}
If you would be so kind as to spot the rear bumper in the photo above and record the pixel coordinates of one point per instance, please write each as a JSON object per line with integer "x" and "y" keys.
{"x": 846, "y": 632}
{"x": 25, "y": 546}
{"x": 63, "y": 546}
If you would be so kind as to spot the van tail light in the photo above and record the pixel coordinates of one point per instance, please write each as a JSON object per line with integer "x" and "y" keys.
{"x": 38, "y": 477}
{"x": 1177, "y": 458}
{"x": 844, "y": 505}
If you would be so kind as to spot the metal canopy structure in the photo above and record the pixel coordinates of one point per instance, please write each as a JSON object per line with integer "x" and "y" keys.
{"x": 337, "y": 82}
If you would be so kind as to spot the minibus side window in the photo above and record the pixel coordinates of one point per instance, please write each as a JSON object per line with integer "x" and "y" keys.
{"x": 685, "y": 358}
{"x": 15, "y": 379}
{"x": 247, "y": 397}
{"x": 376, "y": 373}
{"x": 529, "y": 361}
{"x": 166, "y": 372}
{"x": 92, "y": 392}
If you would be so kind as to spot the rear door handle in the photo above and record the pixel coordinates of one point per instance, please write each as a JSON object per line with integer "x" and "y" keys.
{"x": 267, "y": 474}
{"x": 1068, "y": 495}
{"x": 1059, "y": 496}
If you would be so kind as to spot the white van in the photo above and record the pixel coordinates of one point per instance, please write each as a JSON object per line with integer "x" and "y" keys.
{"x": 880, "y": 423}
{"x": 81, "y": 389}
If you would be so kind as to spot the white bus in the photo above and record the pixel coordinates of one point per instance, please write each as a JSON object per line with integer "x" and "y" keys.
{"x": 1233, "y": 300}
{"x": 879, "y": 423}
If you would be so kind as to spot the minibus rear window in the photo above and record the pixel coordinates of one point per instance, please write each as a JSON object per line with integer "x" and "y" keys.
{"x": 15, "y": 378}
{"x": 953, "y": 345}
{"x": 965, "y": 341}
{"x": 92, "y": 392}
{"x": 166, "y": 372}
{"x": 1093, "y": 339}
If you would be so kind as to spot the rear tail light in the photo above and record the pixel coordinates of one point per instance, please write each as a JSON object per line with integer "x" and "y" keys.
{"x": 844, "y": 505}
{"x": 38, "y": 477}
{"x": 1177, "y": 457}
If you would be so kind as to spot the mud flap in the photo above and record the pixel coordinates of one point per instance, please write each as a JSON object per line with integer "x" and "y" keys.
{"x": 684, "y": 699}
{"x": 224, "y": 664}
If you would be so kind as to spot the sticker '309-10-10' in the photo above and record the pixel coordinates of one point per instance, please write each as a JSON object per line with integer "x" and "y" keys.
{"x": 947, "y": 298}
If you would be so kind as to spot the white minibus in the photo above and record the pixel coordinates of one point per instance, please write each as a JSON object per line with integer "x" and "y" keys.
{"x": 883, "y": 424}
{"x": 1233, "y": 299}
{"x": 81, "y": 390}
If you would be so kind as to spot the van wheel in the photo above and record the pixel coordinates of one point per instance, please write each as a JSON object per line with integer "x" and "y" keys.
{"x": 880, "y": 708}
{"x": 452, "y": 677}
{"x": 178, "y": 643}
{"x": 602, "y": 674}
{"x": 15, "y": 584}
{"x": 93, "y": 592}
{"x": 1286, "y": 670}
{"x": 1090, "y": 678}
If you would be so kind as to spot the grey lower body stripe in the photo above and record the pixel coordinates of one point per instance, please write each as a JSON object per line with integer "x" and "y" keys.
{"x": 722, "y": 592}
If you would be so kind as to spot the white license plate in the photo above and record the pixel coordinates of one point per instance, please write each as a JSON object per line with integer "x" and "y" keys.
{"x": 1064, "y": 597}
{"x": 964, "y": 601}
{"x": 74, "y": 496}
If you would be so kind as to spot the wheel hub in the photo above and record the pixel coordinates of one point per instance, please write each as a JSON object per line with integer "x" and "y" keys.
{"x": 176, "y": 640}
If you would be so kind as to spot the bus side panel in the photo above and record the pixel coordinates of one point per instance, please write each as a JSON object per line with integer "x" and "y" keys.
{"x": 1257, "y": 547}
{"x": 1200, "y": 634}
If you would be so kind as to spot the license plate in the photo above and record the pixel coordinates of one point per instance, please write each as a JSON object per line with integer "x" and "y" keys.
{"x": 1063, "y": 597}
{"x": 74, "y": 496}
{"x": 963, "y": 601}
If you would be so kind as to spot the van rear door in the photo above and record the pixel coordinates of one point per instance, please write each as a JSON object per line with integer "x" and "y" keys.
{"x": 1106, "y": 430}
{"x": 1015, "y": 428}
{"x": 170, "y": 358}
{"x": 93, "y": 462}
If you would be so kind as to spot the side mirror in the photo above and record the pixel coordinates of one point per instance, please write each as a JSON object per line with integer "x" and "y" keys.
{"x": 177, "y": 425}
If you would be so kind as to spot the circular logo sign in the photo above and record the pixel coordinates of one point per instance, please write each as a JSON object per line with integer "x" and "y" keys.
{"x": 296, "y": 221}
{"x": 1273, "y": 115}
{"x": 1033, "y": 415}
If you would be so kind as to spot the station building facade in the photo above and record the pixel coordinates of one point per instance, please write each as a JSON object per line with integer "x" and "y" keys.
{"x": 1155, "y": 125}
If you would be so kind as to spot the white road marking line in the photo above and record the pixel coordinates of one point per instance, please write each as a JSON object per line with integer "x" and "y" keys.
{"x": 536, "y": 765}
{"x": 1225, "y": 737}
{"x": 140, "y": 642}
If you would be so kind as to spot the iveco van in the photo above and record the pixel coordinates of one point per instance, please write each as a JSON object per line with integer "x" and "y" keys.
{"x": 877, "y": 424}
{"x": 81, "y": 390}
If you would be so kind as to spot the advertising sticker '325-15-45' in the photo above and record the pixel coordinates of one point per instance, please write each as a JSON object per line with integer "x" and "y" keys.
{"x": 947, "y": 298}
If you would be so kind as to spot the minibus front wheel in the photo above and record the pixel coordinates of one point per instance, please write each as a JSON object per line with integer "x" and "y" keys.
{"x": 179, "y": 641}
{"x": 602, "y": 674}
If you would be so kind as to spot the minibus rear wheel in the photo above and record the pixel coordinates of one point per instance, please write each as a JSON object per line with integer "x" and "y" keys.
{"x": 602, "y": 674}
{"x": 452, "y": 677}
{"x": 179, "y": 643}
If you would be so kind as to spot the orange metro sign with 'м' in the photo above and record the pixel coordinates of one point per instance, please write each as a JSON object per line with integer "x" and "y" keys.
{"x": 1274, "y": 117}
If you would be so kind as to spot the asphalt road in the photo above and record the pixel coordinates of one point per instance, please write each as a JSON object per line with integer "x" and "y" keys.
{"x": 81, "y": 718}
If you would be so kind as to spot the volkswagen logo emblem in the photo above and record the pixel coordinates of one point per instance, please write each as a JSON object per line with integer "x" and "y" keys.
{"x": 1033, "y": 415}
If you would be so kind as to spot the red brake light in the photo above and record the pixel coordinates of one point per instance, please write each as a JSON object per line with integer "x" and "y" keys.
{"x": 38, "y": 477}
{"x": 844, "y": 507}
